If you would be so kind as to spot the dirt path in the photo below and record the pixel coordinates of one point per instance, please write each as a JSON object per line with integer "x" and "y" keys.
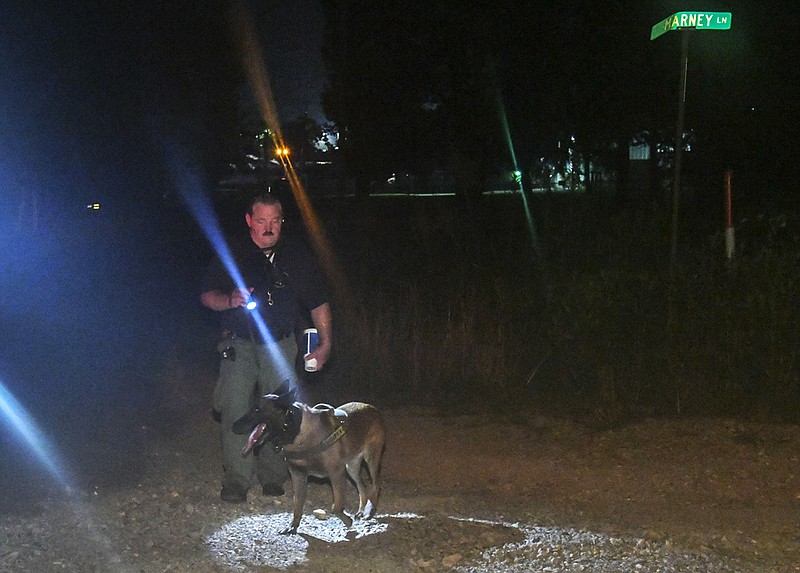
{"x": 456, "y": 489}
{"x": 710, "y": 482}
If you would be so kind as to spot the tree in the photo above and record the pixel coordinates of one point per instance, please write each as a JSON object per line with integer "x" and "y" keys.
{"x": 419, "y": 85}
{"x": 412, "y": 86}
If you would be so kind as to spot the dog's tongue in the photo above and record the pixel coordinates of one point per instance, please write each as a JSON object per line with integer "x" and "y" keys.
{"x": 253, "y": 438}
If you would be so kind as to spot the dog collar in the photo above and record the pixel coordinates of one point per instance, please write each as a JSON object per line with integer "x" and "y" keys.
{"x": 334, "y": 437}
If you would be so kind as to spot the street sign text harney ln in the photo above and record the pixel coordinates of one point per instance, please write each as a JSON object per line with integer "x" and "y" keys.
{"x": 692, "y": 20}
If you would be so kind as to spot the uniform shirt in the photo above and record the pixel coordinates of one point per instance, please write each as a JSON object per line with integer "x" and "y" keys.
{"x": 292, "y": 281}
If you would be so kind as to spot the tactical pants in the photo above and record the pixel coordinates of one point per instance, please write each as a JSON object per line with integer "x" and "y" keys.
{"x": 249, "y": 371}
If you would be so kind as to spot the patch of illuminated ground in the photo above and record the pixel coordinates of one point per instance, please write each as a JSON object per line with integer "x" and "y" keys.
{"x": 255, "y": 541}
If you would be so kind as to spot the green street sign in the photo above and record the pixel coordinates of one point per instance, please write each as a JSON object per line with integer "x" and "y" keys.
{"x": 692, "y": 21}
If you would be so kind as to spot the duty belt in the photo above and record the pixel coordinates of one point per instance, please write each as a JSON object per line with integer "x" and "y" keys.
{"x": 253, "y": 337}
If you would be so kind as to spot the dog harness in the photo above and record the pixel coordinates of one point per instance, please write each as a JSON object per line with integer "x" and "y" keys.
{"x": 341, "y": 429}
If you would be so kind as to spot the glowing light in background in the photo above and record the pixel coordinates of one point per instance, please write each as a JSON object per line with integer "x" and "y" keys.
{"x": 21, "y": 424}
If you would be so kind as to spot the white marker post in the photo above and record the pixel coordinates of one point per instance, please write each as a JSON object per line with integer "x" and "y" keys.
{"x": 729, "y": 232}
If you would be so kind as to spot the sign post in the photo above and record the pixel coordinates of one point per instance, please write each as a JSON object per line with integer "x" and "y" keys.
{"x": 685, "y": 22}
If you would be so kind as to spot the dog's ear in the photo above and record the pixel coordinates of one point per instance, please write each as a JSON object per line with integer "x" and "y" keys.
{"x": 283, "y": 397}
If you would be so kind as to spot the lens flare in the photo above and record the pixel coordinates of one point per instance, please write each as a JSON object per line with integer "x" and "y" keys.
{"x": 22, "y": 424}
{"x": 262, "y": 91}
{"x": 518, "y": 176}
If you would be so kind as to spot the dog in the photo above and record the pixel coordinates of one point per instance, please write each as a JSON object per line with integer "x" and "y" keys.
{"x": 324, "y": 442}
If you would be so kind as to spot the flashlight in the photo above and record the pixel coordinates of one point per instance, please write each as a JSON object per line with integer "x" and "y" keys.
{"x": 251, "y": 304}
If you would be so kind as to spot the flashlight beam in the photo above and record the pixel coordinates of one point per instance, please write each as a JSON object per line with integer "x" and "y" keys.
{"x": 189, "y": 184}
{"x": 24, "y": 426}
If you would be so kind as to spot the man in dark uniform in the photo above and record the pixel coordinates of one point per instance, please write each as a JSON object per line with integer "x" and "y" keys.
{"x": 286, "y": 283}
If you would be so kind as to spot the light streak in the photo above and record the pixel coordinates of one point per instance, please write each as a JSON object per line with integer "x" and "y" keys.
{"x": 186, "y": 179}
{"x": 262, "y": 91}
{"x": 528, "y": 214}
{"x": 24, "y": 426}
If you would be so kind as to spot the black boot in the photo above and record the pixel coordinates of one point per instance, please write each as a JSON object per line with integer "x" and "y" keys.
{"x": 233, "y": 493}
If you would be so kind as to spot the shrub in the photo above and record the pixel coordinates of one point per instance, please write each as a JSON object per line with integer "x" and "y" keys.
{"x": 454, "y": 304}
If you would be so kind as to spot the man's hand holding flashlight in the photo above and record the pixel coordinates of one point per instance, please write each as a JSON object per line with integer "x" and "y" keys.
{"x": 239, "y": 297}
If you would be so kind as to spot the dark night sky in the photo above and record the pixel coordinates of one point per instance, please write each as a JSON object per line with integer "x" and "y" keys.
{"x": 85, "y": 84}
{"x": 89, "y": 91}
{"x": 291, "y": 35}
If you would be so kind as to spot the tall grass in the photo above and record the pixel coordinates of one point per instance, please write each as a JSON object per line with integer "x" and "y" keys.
{"x": 451, "y": 304}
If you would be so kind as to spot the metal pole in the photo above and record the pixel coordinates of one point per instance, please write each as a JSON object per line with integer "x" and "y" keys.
{"x": 676, "y": 178}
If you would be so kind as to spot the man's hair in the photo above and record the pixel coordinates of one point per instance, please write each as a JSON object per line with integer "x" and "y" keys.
{"x": 265, "y": 198}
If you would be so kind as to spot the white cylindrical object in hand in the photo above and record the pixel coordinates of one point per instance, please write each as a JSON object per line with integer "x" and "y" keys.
{"x": 310, "y": 343}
